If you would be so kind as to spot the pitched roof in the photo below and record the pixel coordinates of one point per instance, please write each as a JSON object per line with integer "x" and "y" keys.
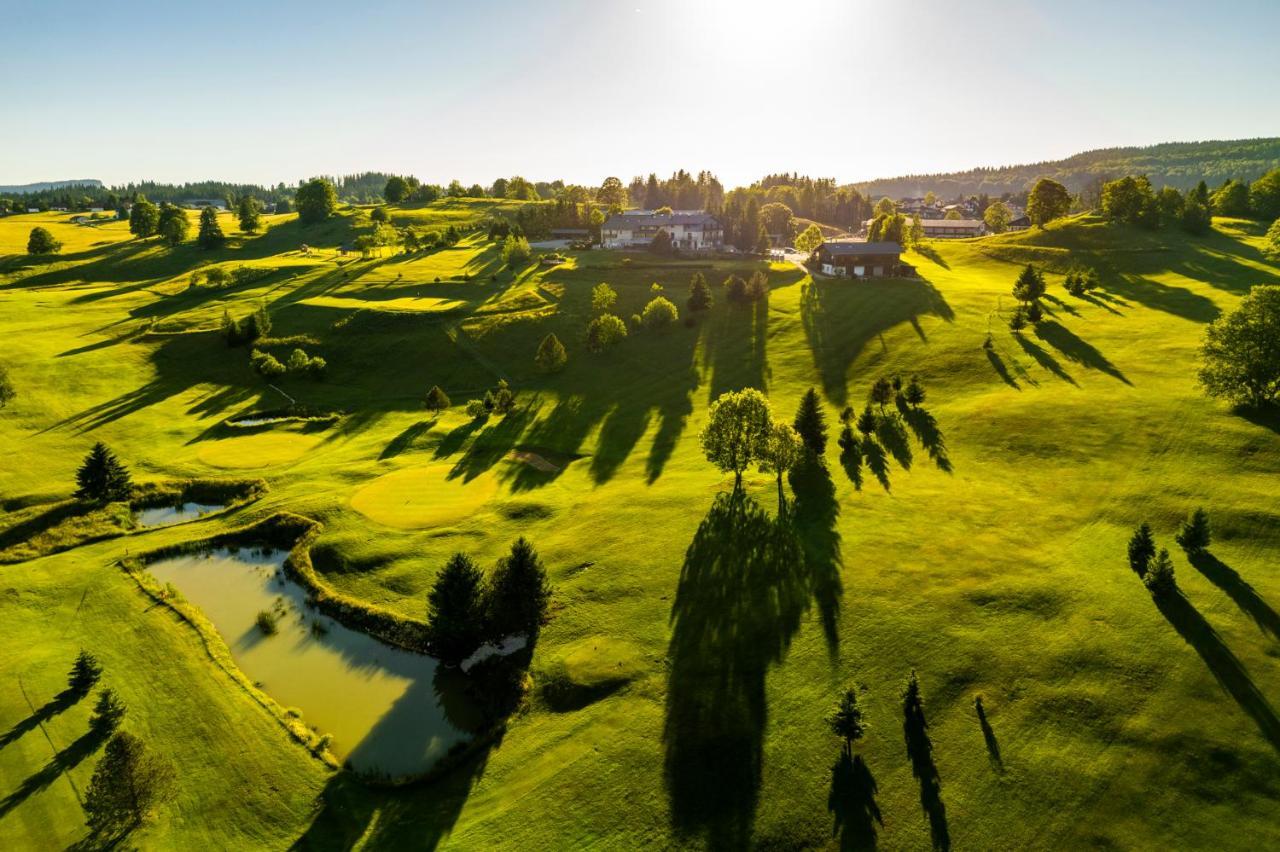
{"x": 952, "y": 223}
{"x": 649, "y": 219}
{"x": 857, "y": 248}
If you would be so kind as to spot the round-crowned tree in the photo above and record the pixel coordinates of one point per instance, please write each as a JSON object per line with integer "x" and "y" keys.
{"x": 739, "y": 425}
{"x": 1242, "y": 350}
{"x": 42, "y": 241}
{"x": 316, "y": 201}
{"x": 659, "y": 313}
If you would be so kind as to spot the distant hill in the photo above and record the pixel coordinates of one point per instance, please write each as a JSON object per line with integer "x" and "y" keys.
{"x": 23, "y": 189}
{"x": 1178, "y": 164}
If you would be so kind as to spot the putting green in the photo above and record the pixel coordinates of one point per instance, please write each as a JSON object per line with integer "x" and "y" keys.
{"x": 423, "y": 497}
{"x": 253, "y": 451}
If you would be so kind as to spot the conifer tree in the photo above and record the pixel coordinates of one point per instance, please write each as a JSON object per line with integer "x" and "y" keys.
{"x": 882, "y": 392}
{"x": 102, "y": 477}
{"x": 915, "y": 394}
{"x": 700, "y": 298}
{"x": 551, "y": 356}
{"x": 1159, "y": 578}
{"x": 437, "y": 401}
{"x": 456, "y": 610}
{"x": 1142, "y": 548}
{"x": 7, "y": 391}
{"x": 520, "y": 594}
{"x": 1195, "y": 535}
{"x": 209, "y": 235}
{"x": 107, "y": 713}
{"x": 84, "y": 672}
{"x": 846, "y": 720}
{"x": 811, "y": 423}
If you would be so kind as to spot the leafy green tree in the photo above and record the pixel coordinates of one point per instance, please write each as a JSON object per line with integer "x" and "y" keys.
{"x": 85, "y": 672}
{"x": 456, "y": 610}
{"x": 1170, "y": 204}
{"x": 739, "y": 425}
{"x": 396, "y": 190}
{"x": 551, "y": 356}
{"x": 846, "y": 720}
{"x": 1047, "y": 201}
{"x": 882, "y": 392}
{"x": 437, "y": 401}
{"x": 1231, "y": 199}
{"x": 250, "y": 214}
{"x": 316, "y": 201}
{"x": 108, "y": 712}
{"x": 144, "y": 218}
{"x": 659, "y": 313}
{"x": 1195, "y": 535}
{"x": 284, "y": 205}
{"x": 520, "y": 595}
{"x": 1272, "y": 247}
{"x": 209, "y": 235}
{"x": 735, "y": 288}
{"x": 267, "y": 365}
{"x": 915, "y": 232}
{"x": 1142, "y": 549}
{"x": 1264, "y": 195}
{"x": 603, "y": 298}
{"x": 102, "y": 477}
{"x": 661, "y": 243}
{"x": 515, "y": 250}
{"x": 612, "y": 193}
{"x": 997, "y": 217}
{"x": 700, "y": 298}
{"x": 1196, "y": 218}
{"x": 953, "y": 215}
{"x": 809, "y": 240}
{"x": 174, "y": 225}
{"x": 127, "y": 785}
{"x": 379, "y": 214}
{"x": 605, "y": 331}
{"x": 762, "y": 243}
{"x": 1241, "y": 350}
{"x": 1126, "y": 200}
{"x": 1201, "y": 193}
{"x": 811, "y": 423}
{"x": 42, "y": 241}
{"x": 500, "y": 400}
{"x": 7, "y": 391}
{"x": 779, "y": 453}
{"x": 1159, "y": 578}
{"x": 885, "y": 207}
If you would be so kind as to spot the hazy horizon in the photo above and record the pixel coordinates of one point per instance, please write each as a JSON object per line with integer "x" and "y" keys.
{"x": 579, "y": 91}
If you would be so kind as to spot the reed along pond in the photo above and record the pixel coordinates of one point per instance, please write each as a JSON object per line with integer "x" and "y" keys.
{"x": 379, "y": 703}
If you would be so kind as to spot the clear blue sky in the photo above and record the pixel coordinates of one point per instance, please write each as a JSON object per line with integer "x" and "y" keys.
{"x": 271, "y": 90}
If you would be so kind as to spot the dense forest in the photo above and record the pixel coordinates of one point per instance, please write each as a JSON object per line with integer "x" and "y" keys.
{"x": 1181, "y": 165}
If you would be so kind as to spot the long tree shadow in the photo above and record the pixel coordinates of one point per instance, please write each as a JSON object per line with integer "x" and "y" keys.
{"x": 997, "y": 364}
{"x": 67, "y": 759}
{"x": 734, "y": 347}
{"x": 925, "y": 427}
{"x": 877, "y": 461}
{"x": 989, "y": 737}
{"x": 60, "y": 702}
{"x": 1043, "y": 358}
{"x": 1240, "y": 592}
{"x": 741, "y": 595}
{"x": 1065, "y": 341}
{"x": 842, "y": 317}
{"x": 1226, "y": 667}
{"x": 920, "y": 751}
{"x": 852, "y": 802}
{"x": 816, "y": 515}
{"x": 893, "y": 437}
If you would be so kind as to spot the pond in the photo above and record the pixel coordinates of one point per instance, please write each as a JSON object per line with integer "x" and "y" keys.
{"x": 380, "y": 704}
{"x": 163, "y": 516}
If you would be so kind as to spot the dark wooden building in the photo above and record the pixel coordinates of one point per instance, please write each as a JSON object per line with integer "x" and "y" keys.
{"x": 857, "y": 259}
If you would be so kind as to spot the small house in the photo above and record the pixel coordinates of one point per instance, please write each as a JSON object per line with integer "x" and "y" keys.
{"x": 859, "y": 259}
{"x": 1019, "y": 224}
{"x": 953, "y": 228}
{"x": 690, "y": 230}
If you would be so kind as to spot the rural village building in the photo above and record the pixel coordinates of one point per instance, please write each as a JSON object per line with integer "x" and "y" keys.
{"x": 858, "y": 259}
{"x": 953, "y": 227}
{"x": 1021, "y": 223}
{"x": 690, "y": 230}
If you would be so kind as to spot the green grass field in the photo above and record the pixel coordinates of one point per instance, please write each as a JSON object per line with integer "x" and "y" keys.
{"x": 708, "y": 652}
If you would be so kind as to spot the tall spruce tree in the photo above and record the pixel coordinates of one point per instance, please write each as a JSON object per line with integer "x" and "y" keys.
{"x": 700, "y": 298}
{"x": 102, "y": 476}
{"x": 551, "y": 356}
{"x": 519, "y": 594}
{"x": 456, "y": 610}
{"x": 209, "y": 235}
{"x": 811, "y": 423}
{"x": 1142, "y": 549}
{"x": 1195, "y": 535}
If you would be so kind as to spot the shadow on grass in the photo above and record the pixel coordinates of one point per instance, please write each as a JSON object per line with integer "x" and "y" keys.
{"x": 852, "y": 803}
{"x": 405, "y": 439}
{"x": 816, "y": 515}
{"x": 920, "y": 752}
{"x": 1075, "y": 349}
{"x": 925, "y": 427}
{"x": 1268, "y": 417}
{"x": 997, "y": 364}
{"x": 1240, "y": 592}
{"x": 47, "y": 711}
{"x": 989, "y": 737}
{"x": 741, "y": 595}
{"x": 1043, "y": 358}
{"x": 67, "y": 759}
{"x": 1225, "y": 666}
